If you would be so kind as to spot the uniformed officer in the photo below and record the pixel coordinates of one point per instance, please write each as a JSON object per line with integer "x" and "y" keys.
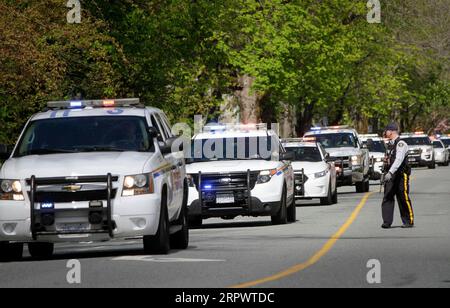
{"x": 396, "y": 180}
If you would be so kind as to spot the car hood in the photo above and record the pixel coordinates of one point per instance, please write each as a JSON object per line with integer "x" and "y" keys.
{"x": 77, "y": 164}
{"x": 231, "y": 166}
{"x": 339, "y": 152}
{"x": 310, "y": 167}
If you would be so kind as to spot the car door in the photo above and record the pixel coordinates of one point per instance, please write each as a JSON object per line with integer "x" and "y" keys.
{"x": 167, "y": 165}
{"x": 179, "y": 169}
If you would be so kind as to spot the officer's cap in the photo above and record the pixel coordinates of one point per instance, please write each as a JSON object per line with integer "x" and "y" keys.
{"x": 392, "y": 127}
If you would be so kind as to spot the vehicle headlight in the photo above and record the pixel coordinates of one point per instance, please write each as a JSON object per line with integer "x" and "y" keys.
{"x": 11, "y": 190}
{"x": 321, "y": 174}
{"x": 356, "y": 160}
{"x": 379, "y": 160}
{"x": 140, "y": 184}
{"x": 266, "y": 175}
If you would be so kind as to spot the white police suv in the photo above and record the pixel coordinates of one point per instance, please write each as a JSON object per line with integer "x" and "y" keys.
{"x": 377, "y": 152}
{"x": 315, "y": 176}
{"x": 351, "y": 156}
{"x": 93, "y": 171}
{"x": 421, "y": 152}
{"x": 240, "y": 170}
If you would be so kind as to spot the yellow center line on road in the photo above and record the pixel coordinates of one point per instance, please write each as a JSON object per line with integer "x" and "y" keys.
{"x": 316, "y": 257}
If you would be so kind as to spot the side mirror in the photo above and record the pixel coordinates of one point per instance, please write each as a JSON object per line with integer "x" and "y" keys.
{"x": 5, "y": 151}
{"x": 287, "y": 156}
{"x": 153, "y": 133}
{"x": 167, "y": 147}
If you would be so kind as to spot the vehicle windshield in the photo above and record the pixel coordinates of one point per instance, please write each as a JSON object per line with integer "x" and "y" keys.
{"x": 376, "y": 146}
{"x": 85, "y": 134}
{"x": 337, "y": 140}
{"x": 241, "y": 148}
{"x": 307, "y": 154}
{"x": 437, "y": 145}
{"x": 446, "y": 142}
{"x": 417, "y": 140}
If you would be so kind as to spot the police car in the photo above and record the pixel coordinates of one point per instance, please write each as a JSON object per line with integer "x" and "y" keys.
{"x": 421, "y": 152}
{"x": 440, "y": 153}
{"x": 315, "y": 176}
{"x": 93, "y": 170}
{"x": 446, "y": 141}
{"x": 240, "y": 170}
{"x": 351, "y": 157}
{"x": 377, "y": 152}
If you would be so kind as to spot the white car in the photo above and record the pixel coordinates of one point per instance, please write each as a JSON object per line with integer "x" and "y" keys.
{"x": 93, "y": 171}
{"x": 240, "y": 178}
{"x": 315, "y": 176}
{"x": 351, "y": 157}
{"x": 421, "y": 152}
{"x": 446, "y": 141}
{"x": 377, "y": 152}
{"x": 440, "y": 153}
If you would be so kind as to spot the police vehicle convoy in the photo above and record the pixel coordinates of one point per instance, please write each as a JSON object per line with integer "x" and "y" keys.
{"x": 421, "y": 152}
{"x": 440, "y": 153}
{"x": 93, "y": 170}
{"x": 377, "y": 151}
{"x": 351, "y": 157}
{"x": 240, "y": 170}
{"x": 315, "y": 177}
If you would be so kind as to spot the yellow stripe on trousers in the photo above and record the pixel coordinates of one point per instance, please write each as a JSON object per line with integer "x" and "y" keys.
{"x": 408, "y": 202}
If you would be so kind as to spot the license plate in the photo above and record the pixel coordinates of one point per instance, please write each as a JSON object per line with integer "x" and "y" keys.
{"x": 73, "y": 227}
{"x": 222, "y": 199}
{"x": 412, "y": 159}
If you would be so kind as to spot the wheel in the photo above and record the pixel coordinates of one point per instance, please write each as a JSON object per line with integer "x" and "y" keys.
{"x": 160, "y": 242}
{"x": 292, "y": 212}
{"x": 180, "y": 239}
{"x": 41, "y": 250}
{"x": 10, "y": 251}
{"x": 432, "y": 165}
{"x": 328, "y": 200}
{"x": 281, "y": 217}
{"x": 195, "y": 221}
{"x": 335, "y": 196}
{"x": 362, "y": 187}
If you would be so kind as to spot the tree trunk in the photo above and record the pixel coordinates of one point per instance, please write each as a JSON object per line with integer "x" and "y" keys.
{"x": 304, "y": 119}
{"x": 248, "y": 101}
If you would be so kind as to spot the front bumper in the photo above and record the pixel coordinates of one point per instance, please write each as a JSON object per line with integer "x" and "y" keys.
{"x": 130, "y": 217}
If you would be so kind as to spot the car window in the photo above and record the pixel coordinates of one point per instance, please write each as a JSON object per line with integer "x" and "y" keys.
{"x": 337, "y": 140}
{"x": 417, "y": 140}
{"x": 85, "y": 134}
{"x": 307, "y": 154}
{"x": 155, "y": 124}
{"x": 437, "y": 145}
{"x": 163, "y": 126}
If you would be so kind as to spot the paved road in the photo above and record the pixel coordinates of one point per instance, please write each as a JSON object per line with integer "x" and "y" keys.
{"x": 326, "y": 247}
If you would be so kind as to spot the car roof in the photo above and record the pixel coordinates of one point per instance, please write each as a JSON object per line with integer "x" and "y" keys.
{"x": 234, "y": 134}
{"x": 331, "y": 131}
{"x": 92, "y": 112}
{"x": 414, "y": 136}
{"x": 300, "y": 144}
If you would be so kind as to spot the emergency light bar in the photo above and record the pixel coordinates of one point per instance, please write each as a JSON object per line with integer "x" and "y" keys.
{"x": 106, "y": 103}
{"x": 217, "y": 127}
{"x": 369, "y": 136}
{"x": 330, "y": 127}
{"x": 300, "y": 140}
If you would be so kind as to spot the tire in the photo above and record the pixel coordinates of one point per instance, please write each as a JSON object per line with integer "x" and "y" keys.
{"x": 335, "y": 196}
{"x": 292, "y": 212}
{"x": 432, "y": 165}
{"x": 446, "y": 163}
{"x": 328, "y": 200}
{"x": 363, "y": 187}
{"x": 41, "y": 250}
{"x": 281, "y": 217}
{"x": 195, "y": 221}
{"x": 160, "y": 242}
{"x": 180, "y": 239}
{"x": 10, "y": 251}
